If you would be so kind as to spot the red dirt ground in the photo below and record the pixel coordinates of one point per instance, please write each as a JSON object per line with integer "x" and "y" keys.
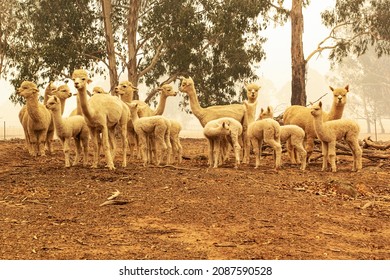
{"x": 191, "y": 212}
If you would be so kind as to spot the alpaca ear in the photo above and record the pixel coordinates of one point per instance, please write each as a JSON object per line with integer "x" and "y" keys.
{"x": 269, "y": 109}
{"x": 331, "y": 88}
{"x": 261, "y": 110}
{"x": 320, "y": 104}
{"x": 347, "y": 88}
{"x": 89, "y": 81}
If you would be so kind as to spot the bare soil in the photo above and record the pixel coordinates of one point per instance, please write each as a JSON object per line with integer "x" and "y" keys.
{"x": 190, "y": 211}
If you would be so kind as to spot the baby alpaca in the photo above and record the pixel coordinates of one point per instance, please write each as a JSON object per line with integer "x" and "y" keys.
{"x": 67, "y": 128}
{"x": 220, "y": 131}
{"x": 267, "y": 130}
{"x": 290, "y": 134}
{"x": 330, "y": 131}
{"x": 149, "y": 127}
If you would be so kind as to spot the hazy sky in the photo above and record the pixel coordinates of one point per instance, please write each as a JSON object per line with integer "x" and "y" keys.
{"x": 276, "y": 68}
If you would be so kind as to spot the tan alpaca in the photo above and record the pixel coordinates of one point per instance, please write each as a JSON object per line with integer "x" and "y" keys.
{"x": 126, "y": 91}
{"x": 36, "y": 120}
{"x": 102, "y": 113}
{"x": 204, "y": 115}
{"x": 252, "y": 91}
{"x": 63, "y": 93}
{"x": 219, "y": 131}
{"x": 250, "y": 114}
{"x": 146, "y": 126}
{"x": 177, "y": 149}
{"x": 268, "y": 131}
{"x": 72, "y": 127}
{"x": 49, "y": 91}
{"x": 98, "y": 90}
{"x": 291, "y": 134}
{"x": 329, "y": 132}
{"x": 301, "y": 116}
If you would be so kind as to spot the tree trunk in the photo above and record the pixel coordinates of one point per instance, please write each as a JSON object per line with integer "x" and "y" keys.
{"x": 107, "y": 10}
{"x": 298, "y": 63}
{"x": 132, "y": 26}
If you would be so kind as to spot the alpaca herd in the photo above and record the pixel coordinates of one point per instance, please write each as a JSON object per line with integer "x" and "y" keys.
{"x": 148, "y": 135}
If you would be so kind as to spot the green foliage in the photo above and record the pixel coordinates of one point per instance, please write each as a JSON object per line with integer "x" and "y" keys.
{"x": 359, "y": 24}
{"x": 214, "y": 42}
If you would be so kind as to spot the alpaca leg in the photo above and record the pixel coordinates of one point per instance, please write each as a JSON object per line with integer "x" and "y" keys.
{"x": 49, "y": 141}
{"x": 357, "y": 154}
{"x": 106, "y": 148}
{"x": 179, "y": 151}
{"x": 66, "y": 149}
{"x": 41, "y": 143}
{"x": 217, "y": 152}
{"x": 277, "y": 150}
{"x": 332, "y": 155}
{"x": 161, "y": 146}
{"x": 237, "y": 152}
{"x": 96, "y": 143}
{"x": 143, "y": 147}
{"x": 211, "y": 152}
{"x": 256, "y": 150}
{"x": 124, "y": 144}
{"x": 84, "y": 141}
{"x": 302, "y": 155}
{"x": 77, "y": 142}
{"x": 325, "y": 155}
{"x": 309, "y": 147}
{"x": 33, "y": 143}
{"x": 290, "y": 151}
{"x": 112, "y": 141}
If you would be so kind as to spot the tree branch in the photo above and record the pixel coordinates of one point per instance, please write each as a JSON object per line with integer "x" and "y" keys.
{"x": 154, "y": 61}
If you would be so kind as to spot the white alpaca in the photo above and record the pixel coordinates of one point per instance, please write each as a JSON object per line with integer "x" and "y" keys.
{"x": 36, "y": 120}
{"x": 250, "y": 115}
{"x": 268, "y": 131}
{"x": 66, "y": 128}
{"x": 330, "y": 131}
{"x": 300, "y": 115}
{"x": 154, "y": 126}
{"x": 292, "y": 135}
{"x": 218, "y": 132}
{"x": 102, "y": 113}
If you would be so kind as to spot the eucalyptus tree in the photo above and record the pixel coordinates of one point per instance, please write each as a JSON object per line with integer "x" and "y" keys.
{"x": 216, "y": 42}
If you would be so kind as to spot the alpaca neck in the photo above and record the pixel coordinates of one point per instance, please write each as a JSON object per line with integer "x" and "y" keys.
{"x": 63, "y": 101}
{"x": 134, "y": 115}
{"x": 127, "y": 97}
{"x": 319, "y": 126}
{"x": 58, "y": 121}
{"x": 161, "y": 105}
{"x": 33, "y": 109}
{"x": 194, "y": 103}
{"x": 336, "y": 112}
{"x": 83, "y": 102}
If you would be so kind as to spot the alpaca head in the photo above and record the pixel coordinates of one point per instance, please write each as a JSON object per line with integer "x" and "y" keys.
{"x": 50, "y": 89}
{"x": 340, "y": 95}
{"x": 63, "y": 92}
{"x": 186, "y": 84}
{"x": 53, "y": 103}
{"x": 266, "y": 114}
{"x": 98, "y": 90}
{"x": 80, "y": 79}
{"x": 316, "y": 110}
{"x": 167, "y": 90}
{"x": 28, "y": 89}
{"x": 252, "y": 91}
{"x": 125, "y": 88}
